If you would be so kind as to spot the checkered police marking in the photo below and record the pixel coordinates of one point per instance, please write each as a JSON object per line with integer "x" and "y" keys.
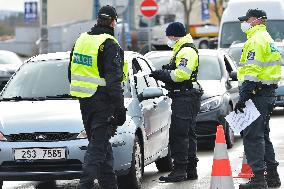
{"x": 251, "y": 55}
{"x": 83, "y": 59}
{"x": 183, "y": 62}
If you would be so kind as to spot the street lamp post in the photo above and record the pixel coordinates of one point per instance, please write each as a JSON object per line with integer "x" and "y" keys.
{"x": 43, "y": 45}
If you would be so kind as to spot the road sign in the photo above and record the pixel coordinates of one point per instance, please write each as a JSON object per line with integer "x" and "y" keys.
{"x": 149, "y": 8}
{"x": 30, "y": 11}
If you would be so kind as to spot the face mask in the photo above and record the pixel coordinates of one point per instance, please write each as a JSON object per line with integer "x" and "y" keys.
{"x": 245, "y": 26}
{"x": 171, "y": 43}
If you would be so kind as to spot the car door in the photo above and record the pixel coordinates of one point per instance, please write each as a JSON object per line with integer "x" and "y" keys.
{"x": 148, "y": 110}
{"x": 159, "y": 132}
{"x": 232, "y": 86}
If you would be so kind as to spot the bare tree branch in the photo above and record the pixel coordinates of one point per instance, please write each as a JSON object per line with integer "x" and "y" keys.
{"x": 187, "y": 5}
{"x": 217, "y": 5}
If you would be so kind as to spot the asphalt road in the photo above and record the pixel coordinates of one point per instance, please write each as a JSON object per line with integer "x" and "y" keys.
{"x": 151, "y": 181}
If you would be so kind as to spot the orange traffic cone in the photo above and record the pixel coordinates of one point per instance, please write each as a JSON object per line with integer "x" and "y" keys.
{"x": 246, "y": 171}
{"x": 221, "y": 176}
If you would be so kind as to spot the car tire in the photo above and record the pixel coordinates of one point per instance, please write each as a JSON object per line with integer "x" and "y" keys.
{"x": 165, "y": 164}
{"x": 1, "y": 184}
{"x": 229, "y": 133}
{"x": 203, "y": 45}
{"x": 133, "y": 179}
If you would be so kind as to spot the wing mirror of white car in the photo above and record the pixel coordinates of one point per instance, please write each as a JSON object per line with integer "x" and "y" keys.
{"x": 233, "y": 76}
{"x": 150, "y": 92}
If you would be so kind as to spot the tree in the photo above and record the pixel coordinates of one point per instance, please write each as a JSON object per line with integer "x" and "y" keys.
{"x": 218, "y": 8}
{"x": 187, "y": 6}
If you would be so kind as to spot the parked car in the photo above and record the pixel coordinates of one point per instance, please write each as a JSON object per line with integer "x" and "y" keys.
{"x": 235, "y": 51}
{"x": 9, "y": 63}
{"x": 220, "y": 91}
{"x": 42, "y": 135}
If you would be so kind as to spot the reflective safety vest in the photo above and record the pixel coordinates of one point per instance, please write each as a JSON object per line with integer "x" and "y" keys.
{"x": 260, "y": 60}
{"x": 85, "y": 77}
{"x": 186, "y": 60}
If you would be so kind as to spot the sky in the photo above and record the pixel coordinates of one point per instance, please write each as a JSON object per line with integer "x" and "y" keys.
{"x": 14, "y": 5}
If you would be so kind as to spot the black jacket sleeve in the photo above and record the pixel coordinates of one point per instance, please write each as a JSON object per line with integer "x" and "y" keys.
{"x": 69, "y": 66}
{"x": 113, "y": 60}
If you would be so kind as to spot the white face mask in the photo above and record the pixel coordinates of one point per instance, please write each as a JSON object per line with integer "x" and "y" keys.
{"x": 171, "y": 43}
{"x": 245, "y": 26}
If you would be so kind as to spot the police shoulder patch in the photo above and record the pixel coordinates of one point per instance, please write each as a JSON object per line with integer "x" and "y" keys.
{"x": 251, "y": 55}
{"x": 102, "y": 48}
{"x": 183, "y": 62}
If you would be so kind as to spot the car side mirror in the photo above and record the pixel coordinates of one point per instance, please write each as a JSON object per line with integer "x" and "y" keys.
{"x": 149, "y": 93}
{"x": 233, "y": 76}
{"x": 213, "y": 43}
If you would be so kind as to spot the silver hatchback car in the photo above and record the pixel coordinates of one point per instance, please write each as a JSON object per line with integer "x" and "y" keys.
{"x": 42, "y": 135}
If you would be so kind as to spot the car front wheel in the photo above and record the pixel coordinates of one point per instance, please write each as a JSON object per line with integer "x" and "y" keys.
{"x": 1, "y": 184}
{"x": 134, "y": 178}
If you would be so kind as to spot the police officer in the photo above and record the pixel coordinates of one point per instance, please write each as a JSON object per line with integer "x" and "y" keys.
{"x": 96, "y": 72}
{"x": 179, "y": 76}
{"x": 259, "y": 73}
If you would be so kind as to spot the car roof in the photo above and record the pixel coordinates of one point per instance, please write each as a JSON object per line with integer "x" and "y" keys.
{"x": 210, "y": 52}
{"x": 65, "y": 55}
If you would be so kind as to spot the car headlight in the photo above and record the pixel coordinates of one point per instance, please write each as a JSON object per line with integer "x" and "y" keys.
{"x": 2, "y": 137}
{"x": 82, "y": 135}
{"x": 210, "y": 104}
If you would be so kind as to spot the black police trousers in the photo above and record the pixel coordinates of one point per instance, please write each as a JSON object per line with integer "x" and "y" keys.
{"x": 183, "y": 142}
{"x": 98, "y": 160}
{"x": 257, "y": 145}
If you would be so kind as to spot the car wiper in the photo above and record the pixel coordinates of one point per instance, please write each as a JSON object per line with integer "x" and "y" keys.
{"x": 19, "y": 98}
{"x": 63, "y": 96}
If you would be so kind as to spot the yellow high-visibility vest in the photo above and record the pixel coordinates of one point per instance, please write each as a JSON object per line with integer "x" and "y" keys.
{"x": 186, "y": 60}
{"x": 260, "y": 60}
{"x": 85, "y": 77}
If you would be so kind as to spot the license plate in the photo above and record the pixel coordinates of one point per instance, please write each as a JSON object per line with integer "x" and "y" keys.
{"x": 39, "y": 153}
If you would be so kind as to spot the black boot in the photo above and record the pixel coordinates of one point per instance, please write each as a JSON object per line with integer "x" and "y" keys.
{"x": 191, "y": 170}
{"x": 178, "y": 174}
{"x": 272, "y": 178}
{"x": 256, "y": 182}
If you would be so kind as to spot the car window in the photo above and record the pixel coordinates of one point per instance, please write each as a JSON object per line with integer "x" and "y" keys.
{"x": 209, "y": 68}
{"x": 151, "y": 82}
{"x": 39, "y": 79}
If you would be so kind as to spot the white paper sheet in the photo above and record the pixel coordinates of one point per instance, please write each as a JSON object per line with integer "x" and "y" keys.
{"x": 240, "y": 121}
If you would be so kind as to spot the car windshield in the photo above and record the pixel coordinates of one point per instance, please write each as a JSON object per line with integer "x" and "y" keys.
{"x": 9, "y": 59}
{"x": 236, "y": 52}
{"x": 209, "y": 68}
{"x": 39, "y": 79}
{"x": 232, "y": 33}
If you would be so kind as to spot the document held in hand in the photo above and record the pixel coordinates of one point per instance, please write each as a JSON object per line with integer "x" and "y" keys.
{"x": 240, "y": 121}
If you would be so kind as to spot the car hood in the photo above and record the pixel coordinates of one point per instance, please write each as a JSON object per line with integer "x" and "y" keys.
{"x": 41, "y": 116}
{"x": 212, "y": 88}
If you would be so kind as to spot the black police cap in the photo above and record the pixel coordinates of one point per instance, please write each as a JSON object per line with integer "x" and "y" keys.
{"x": 253, "y": 13}
{"x": 107, "y": 12}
